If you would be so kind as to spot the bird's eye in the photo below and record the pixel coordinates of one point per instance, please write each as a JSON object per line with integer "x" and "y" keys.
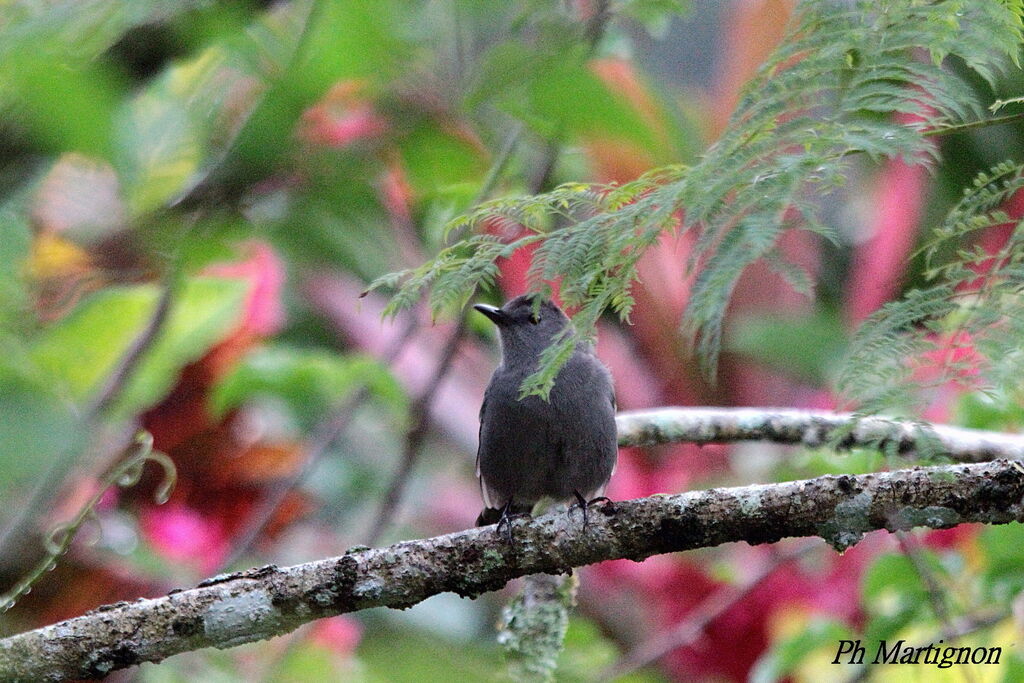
{"x": 534, "y": 319}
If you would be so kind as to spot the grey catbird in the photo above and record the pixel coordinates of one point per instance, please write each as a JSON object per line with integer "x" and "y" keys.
{"x": 532, "y": 449}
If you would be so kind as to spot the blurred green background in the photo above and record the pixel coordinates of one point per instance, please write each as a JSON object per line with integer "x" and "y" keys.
{"x": 253, "y": 165}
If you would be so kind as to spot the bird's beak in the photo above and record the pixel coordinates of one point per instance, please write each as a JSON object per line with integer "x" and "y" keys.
{"x": 496, "y": 315}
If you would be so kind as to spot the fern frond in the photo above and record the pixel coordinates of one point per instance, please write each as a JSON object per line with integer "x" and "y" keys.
{"x": 814, "y": 103}
{"x": 866, "y": 77}
{"x": 976, "y": 210}
{"x": 966, "y": 327}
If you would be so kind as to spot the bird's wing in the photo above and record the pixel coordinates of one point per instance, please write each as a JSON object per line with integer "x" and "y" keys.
{"x": 485, "y": 493}
{"x": 615, "y": 408}
{"x": 484, "y": 490}
{"x": 479, "y": 437}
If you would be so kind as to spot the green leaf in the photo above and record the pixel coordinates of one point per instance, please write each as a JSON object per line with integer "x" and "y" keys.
{"x": 889, "y": 575}
{"x": 79, "y": 32}
{"x": 815, "y": 462}
{"x": 342, "y": 39}
{"x": 806, "y": 347}
{"x": 160, "y": 145}
{"x": 504, "y": 69}
{"x": 185, "y": 122}
{"x": 425, "y": 657}
{"x": 309, "y": 660}
{"x": 1012, "y": 668}
{"x": 52, "y": 75}
{"x": 64, "y": 107}
{"x": 588, "y": 652}
{"x": 996, "y": 411}
{"x": 788, "y": 654}
{"x": 310, "y": 381}
{"x": 36, "y": 429}
{"x": 893, "y": 594}
{"x": 83, "y": 349}
{"x": 935, "y": 334}
{"x": 437, "y": 157}
{"x": 592, "y": 109}
{"x": 202, "y": 111}
{"x": 15, "y": 246}
{"x": 1003, "y": 549}
{"x": 841, "y": 83}
{"x": 354, "y": 39}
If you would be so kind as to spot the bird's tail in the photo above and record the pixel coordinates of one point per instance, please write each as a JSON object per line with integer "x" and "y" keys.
{"x": 489, "y": 516}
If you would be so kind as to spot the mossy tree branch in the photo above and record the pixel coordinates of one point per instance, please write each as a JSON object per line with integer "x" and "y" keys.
{"x": 814, "y": 429}
{"x": 232, "y": 609}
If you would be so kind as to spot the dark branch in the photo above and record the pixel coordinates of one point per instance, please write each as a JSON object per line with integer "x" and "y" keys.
{"x": 324, "y": 434}
{"x": 697, "y": 620}
{"x": 128, "y": 363}
{"x": 417, "y": 433}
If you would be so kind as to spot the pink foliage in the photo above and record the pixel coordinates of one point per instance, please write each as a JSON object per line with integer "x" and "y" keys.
{"x": 880, "y": 260}
{"x": 396, "y": 193}
{"x": 264, "y": 273}
{"x": 185, "y": 535}
{"x": 340, "y": 634}
{"x": 342, "y": 118}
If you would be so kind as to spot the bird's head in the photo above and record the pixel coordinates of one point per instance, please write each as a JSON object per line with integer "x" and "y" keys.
{"x": 525, "y": 329}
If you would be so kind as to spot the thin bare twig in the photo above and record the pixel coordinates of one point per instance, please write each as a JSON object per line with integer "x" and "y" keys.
{"x": 500, "y": 164}
{"x": 931, "y": 584}
{"x": 593, "y": 32}
{"x": 494, "y": 174}
{"x": 936, "y": 596}
{"x": 20, "y": 529}
{"x": 595, "y": 27}
{"x": 420, "y": 416}
{"x": 971, "y": 125}
{"x": 420, "y": 413}
{"x": 325, "y": 433}
{"x": 58, "y": 541}
{"x": 203, "y": 190}
{"x": 336, "y": 424}
{"x": 700, "y": 617}
{"x": 128, "y": 363}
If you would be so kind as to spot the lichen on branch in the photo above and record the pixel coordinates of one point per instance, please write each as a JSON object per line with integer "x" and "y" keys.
{"x": 236, "y": 608}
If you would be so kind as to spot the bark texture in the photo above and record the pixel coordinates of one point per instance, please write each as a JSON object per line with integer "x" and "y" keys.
{"x": 237, "y": 608}
{"x": 813, "y": 429}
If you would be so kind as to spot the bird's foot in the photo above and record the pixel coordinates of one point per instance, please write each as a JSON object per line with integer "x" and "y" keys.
{"x": 583, "y": 504}
{"x": 508, "y": 513}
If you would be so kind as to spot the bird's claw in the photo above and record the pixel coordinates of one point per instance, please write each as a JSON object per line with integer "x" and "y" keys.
{"x": 507, "y": 515}
{"x": 583, "y": 504}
